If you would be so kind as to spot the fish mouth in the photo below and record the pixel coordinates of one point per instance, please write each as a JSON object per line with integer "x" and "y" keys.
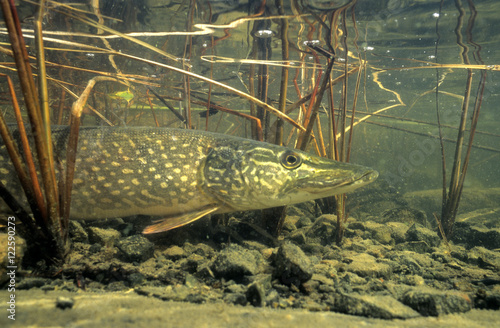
{"x": 367, "y": 177}
{"x": 347, "y": 184}
{"x": 359, "y": 180}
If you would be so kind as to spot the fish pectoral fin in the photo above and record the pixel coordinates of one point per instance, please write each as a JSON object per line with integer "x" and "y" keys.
{"x": 173, "y": 222}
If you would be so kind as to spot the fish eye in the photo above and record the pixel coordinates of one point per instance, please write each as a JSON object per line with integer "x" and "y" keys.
{"x": 291, "y": 160}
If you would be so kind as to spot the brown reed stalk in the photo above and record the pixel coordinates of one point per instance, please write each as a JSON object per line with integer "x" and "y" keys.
{"x": 451, "y": 197}
{"x": 284, "y": 71}
{"x": 76, "y": 113}
{"x": 53, "y": 235}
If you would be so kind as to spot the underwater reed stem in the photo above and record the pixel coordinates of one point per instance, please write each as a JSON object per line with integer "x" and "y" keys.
{"x": 30, "y": 183}
{"x": 314, "y": 112}
{"x": 24, "y": 178}
{"x": 76, "y": 113}
{"x": 284, "y": 70}
{"x": 31, "y": 100}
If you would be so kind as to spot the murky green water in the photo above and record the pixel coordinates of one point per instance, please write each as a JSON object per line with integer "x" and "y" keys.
{"x": 238, "y": 44}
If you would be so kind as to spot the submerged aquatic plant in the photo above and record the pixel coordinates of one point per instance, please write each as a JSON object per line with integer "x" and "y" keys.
{"x": 452, "y": 194}
{"x": 47, "y": 233}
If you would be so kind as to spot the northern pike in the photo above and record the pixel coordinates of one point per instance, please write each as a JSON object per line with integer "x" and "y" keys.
{"x": 182, "y": 175}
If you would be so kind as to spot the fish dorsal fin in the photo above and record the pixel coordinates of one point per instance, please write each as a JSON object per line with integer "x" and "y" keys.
{"x": 173, "y": 222}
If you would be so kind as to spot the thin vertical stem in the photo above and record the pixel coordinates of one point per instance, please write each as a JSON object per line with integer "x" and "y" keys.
{"x": 284, "y": 71}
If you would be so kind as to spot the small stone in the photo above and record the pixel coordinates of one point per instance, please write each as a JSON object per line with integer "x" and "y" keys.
{"x": 379, "y": 232}
{"x": 415, "y": 246}
{"x": 298, "y": 237}
{"x": 472, "y": 236}
{"x": 252, "y": 244}
{"x": 430, "y": 302}
{"x": 385, "y": 307}
{"x": 288, "y": 225}
{"x": 356, "y": 225}
{"x": 398, "y": 231}
{"x": 487, "y": 300}
{"x": 235, "y": 261}
{"x": 235, "y": 298}
{"x": 322, "y": 279}
{"x": 406, "y": 264}
{"x": 191, "y": 281}
{"x": 200, "y": 249}
{"x": 406, "y": 215}
{"x": 482, "y": 257}
{"x": 256, "y": 295}
{"x": 32, "y": 282}
{"x": 95, "y": 248}
{"x": 292, "y": 265}
{"x": 135, "y": 279}
{"x": 116, "y": 286}
{"x": 174, "y": 253}
{"x": 413, "y": 280}
{"x": 105, "y": 237}
{"x": 419, "y": 233}
{"x": 135, "y": 248}
{"x": 64, "y": 302}
{"x": 272, "y": 298}
{"x": 307, "y": 209}
{"x": 366, "y": 265}
{"x": 77, "y": 233}
{"x": 324, "y": 229}
{"x": 356, "y": 246}
{"x": 303, "y": 222}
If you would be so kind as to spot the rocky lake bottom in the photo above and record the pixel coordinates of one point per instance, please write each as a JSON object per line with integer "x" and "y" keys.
{"x": 391, "y": 265}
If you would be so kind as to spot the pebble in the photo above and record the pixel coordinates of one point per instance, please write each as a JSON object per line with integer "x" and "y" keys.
{"x": 384, "y": 307}
{"x": 235, "y": 298}
{"x": 406, "y": 215}
{"x": 256, "y": 295}
{"x": 431, "y": 302}
{"x": 104, "y": 237}
{"x": 366, "y": 265}
{"x": 420, "y": 233}
{"x": 77, "y": 233}
{"x": 480, "y": 256}
{"x": 379, "y": 232}
{"x": 292, "y": 265}
{"x": 415, "y": 246}
{"x": 470, "y": 236}
{"x": 413, "y": 280}
{"x": 298, "y": 237}
{"x": 31, "y": 282}
{"x": 174, "y": 253}
{"x": 135, "y": 248}
{"x": 398, "y": 231}
{"x": 64, "y": 302}
{"x": 234, "y": 262}
{"x": 406, "y": 264}
{"x": 323, "y": 229}
{"x": 303, "y": 222}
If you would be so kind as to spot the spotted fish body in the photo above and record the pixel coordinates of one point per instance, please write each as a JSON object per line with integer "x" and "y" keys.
{"x": 182, "y": 175}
